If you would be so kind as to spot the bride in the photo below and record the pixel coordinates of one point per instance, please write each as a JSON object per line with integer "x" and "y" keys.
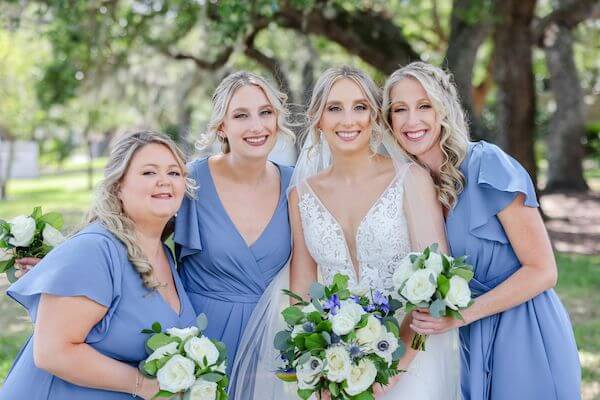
{"x": 357, "y": 207}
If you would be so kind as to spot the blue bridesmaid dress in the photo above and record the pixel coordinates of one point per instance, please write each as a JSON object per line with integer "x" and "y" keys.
{"x": 93, "y": 264}
{"x": 527, "y": 352}
{"x": 223, "y": 276}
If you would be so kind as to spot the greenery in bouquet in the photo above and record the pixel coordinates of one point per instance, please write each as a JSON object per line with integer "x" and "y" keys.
{"x": 31, "y": 235}
{"x": 186, "y": 363}
{"x": 341, "y": 341}
{"x": 436, "y": 282}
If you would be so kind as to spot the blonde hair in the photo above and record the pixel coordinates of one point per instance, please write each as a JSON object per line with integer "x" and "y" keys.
{"x": 222, "y": 97}
{"x": 107, "y": 208}
{"x": 454, "y": 135}
{"x": 323, "y": 88}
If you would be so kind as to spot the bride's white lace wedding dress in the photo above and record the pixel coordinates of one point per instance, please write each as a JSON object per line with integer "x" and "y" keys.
{"x": 382, "y": 241}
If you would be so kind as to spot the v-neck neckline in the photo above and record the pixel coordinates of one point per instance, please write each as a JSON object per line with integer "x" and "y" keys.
{"x": 228, "y": 217}
{"x": 178, "y": 290}
{"x": 355, "y": 268}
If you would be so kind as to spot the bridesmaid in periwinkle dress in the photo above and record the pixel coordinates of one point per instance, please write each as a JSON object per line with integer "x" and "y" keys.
{"x": 517, "y": 339}
{"x": 89, "y": 302}
{"x": 234, "y": 239}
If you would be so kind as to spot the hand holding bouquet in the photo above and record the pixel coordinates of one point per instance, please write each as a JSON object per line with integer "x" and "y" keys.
{"x": 434, "y": 281}
{"x": 340, "y": 342}
{"x": 186, "y": 363}
{"x": 28, "y": 236}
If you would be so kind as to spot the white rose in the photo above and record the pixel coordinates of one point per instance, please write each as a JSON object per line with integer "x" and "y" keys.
{"x": 183, "y": 333}
{"x": 22, "y": 230}
{"x": 6, "y": 255}
{"x": 360, "y": 289}
{"x": 221, "y": 367}
{"x": 362, "y": 376}
{"x": 199, "y": 347}
{"x": 338, "y": 363}
{"x": 370, "y": 333}
{"x": 459, "y": 293}
{"x": 385, "y": 346}
{"x": 347, "y": 317}
{"x": 202, "y": 390}
{"x": 419, "y": 287}
{"x": 434, "y": 263}
{"x": 177, "y": 374}
{"x": 404, "y": 271}
{"x": 166, "y": 350}
{"x": 52, "y": 236}
{"x": 309, "y": 308}
{"x": 308, "y": 374}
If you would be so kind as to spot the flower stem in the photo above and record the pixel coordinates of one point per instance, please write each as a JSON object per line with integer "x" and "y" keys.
{"x": 418, "y": 342}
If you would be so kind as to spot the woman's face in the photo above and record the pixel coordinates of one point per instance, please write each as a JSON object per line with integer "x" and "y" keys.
{"x": 250, "y": 123}
{"x": 415, "y": 123}
{"x": 153, "y": 185}
{"x": 346, "y": 119}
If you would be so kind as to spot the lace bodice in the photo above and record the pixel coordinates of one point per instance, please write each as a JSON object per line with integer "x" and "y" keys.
{"x": 382, "y": 238}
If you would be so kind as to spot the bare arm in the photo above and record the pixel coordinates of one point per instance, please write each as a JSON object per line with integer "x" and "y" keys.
{"x": 303, "y": 269}
{"x": 61, "y": 327}
{"x": 528, "y": 237}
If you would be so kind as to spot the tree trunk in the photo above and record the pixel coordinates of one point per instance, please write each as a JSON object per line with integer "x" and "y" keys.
{"x": 5, "y": 175}
{"x": 466, "y": 36}
{"x": 513, "y": 74}
{"x": 90, "y": 169}
{"x": 565, "y": 150}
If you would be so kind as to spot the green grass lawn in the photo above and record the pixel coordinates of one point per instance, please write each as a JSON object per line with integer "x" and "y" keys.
{"x": 578, "y": 287}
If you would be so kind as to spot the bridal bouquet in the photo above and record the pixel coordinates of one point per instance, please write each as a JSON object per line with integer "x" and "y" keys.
{"x": 31, "y": 235}
{"x": 434, "y": 281}
{"x": 340, "y": 341}
{"x": 186, "y": 363}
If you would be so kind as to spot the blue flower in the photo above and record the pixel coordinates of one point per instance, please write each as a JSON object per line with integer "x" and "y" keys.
{"x": 308, "y": 327}
{"x": 370, "y": 308}
{"x": 355, "y": 298}
{"x": 382, "y": 301}
{"x": 332, "y": 304}
{"x": 355, "y": 351}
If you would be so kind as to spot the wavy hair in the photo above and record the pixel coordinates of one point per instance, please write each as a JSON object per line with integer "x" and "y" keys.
{"x": 222, "y": 97}
{"x": 107, "y": 208}
{"x": 323, "y": 88}
{"x": 454, "y": 135}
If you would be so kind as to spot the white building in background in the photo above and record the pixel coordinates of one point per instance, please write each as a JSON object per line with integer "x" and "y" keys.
{"x": 24, "y": 162}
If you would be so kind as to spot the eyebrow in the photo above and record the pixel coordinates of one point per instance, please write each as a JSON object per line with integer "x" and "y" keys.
{"x": 156, "y": 165}
{"x": 339, "y": 102}
{"x": 266, "y": 105}
{"x": 418, "y": 101}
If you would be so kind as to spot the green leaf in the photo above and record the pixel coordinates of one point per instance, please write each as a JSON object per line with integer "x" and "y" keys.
{"x": 317, "y": 291}
{"x": 292, "y": 315}
{"x": 334, "y": 389}
{"x": 364, "y": 320}
{"x": 464, "y": 273}
{"x": 445, "y": 262}
{"x": 324, "y": 326}
{"x": 145, "y": 330}
{"x": 327, "y": 337}
{"x": 315, "y": 341}
{"x": 149, "y": 368}
{"x": 317, "y": 305}
{"x": 314, "y": 317}
{"x": 202, "y": 322}
{"x": 292, "y": 295}
{"x": 399, "y": 351}
{"x": 344, "y": 294}
{"x": 282, "y": 340}
{"x": 37, "y": 213}
{"x": 11, "y": 275}
{"x": 341, "y": 281}
{"x": 409, "y": 307}
{"x": 443, "y": 285}
{"x": 366, "y": 395}
{"x": 160, "y": 339}
{"x": 305, "y": 393}
{"x": 163, "y": 393}
{"x": 212, "y": 377}
{"x": 454, "y": 314}
{"x": 392, "y": 327}
{"x": 54, "y": 219}
{"x": 156, "y": 328}
{"x": 6, "y": 265}
{"x": 394, "y": 305}
{"x": 434, "y": 247}
{"x": 437, "y": 309}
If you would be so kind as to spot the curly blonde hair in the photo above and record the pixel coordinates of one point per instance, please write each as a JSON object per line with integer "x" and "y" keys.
{"x": 222, "y": 97}
{"x": 321, "y": 92}
{"x": 454, "y": 135}
{"x": 107, "y": 208}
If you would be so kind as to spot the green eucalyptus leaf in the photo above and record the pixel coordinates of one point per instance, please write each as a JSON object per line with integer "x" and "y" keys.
{"x": 11, "y": 275}
{"x": 292, "y": 315}
{"x": 292, "y": 295}
{"x": 160, "y": 339}
{"x": 317, "y": 291}
{"x": 202, "y": 322}
{"x": 282, "y": 340}
{"x": 212, "y": 377}
{"x": 437, "y": 309}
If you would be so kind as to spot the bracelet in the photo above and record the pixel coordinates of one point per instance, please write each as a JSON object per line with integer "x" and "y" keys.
{"x": 139, "y": 379}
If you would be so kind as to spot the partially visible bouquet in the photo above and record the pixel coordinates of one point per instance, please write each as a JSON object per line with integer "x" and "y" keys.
{"x": 340, "y": 341}
{"x": 186, "y": 363}
{"x": 434, "y": 281}
{"x": 31, "y": 235}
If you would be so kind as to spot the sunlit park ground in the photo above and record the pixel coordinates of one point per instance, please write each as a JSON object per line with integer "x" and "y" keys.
{"x": 579, "y": 274}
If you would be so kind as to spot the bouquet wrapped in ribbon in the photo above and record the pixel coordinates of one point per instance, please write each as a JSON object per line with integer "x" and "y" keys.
{"x": 186, "y": 363}
{"x": 31, "y": 235}
{"x": 436, "y": 282}
{"x": 339, "y": 341}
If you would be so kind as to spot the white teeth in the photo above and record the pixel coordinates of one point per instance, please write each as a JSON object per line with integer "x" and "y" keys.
{"x": 258, "y": 139}
{"x": 347, "y": 135}
{"x": 416, "y": 134}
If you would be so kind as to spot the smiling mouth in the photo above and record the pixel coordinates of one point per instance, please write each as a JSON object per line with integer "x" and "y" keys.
{"x": 415, "y": 135}
{"x": 256, "y": 140}
{"x": 347, "y": 136}
{"x": 162, "y": 196}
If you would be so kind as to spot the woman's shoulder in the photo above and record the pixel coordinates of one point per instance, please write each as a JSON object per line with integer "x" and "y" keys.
{"x": 195, "y": 167}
